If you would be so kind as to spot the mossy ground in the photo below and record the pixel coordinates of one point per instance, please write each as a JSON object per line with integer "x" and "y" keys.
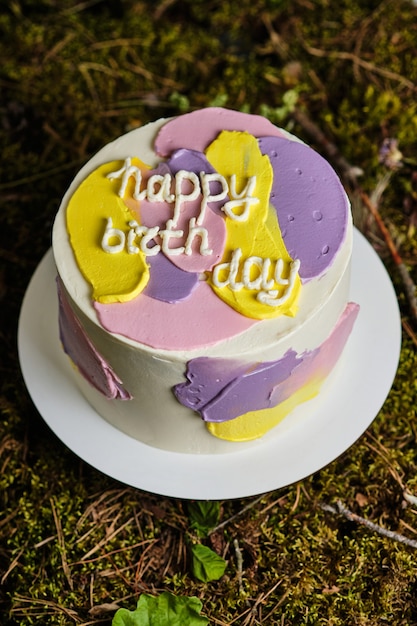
{"x": 74, "y": 75}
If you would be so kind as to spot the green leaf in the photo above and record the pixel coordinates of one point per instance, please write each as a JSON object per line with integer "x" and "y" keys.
{"x": 203, "y": 516}
{"x": 124, "y": 617}
{"x": 164, "y": 610}
{"x": 206, "y": 564}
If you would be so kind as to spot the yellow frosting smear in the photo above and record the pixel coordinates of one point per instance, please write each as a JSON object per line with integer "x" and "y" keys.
{"x": 238, "y": 153}
{"x": 113, "y": 277}
{"x": 255, "y": 424}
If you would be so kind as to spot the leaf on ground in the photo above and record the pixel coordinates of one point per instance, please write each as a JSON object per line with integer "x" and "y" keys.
{"x": 164, "y": 610}
{"x": 206, "y": 564}
{"x": 203, "y": 516}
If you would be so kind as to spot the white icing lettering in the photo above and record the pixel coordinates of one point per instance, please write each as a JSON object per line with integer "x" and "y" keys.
{"x": 225, "y": 274}
{"x": 231, "y": 269}
{"x": 254, "y": 273}
{"x": 131, "y": 237}
{"x": 181, "y": 197}
{"x": 159, "y": 188}
{"x": 234, "y": 268}
{"x": 279, "y": 268}
{"x": 113, "y": 240}
{"x": 248, "y": 281}
{"x": 244, "y": 198}
{"x": 218, "y": 271}
{"x": 149, "y": 235}
{"x": 169, "y": 233}
{"x": 126, "y": 171}
{"x": 197, "y": 231}
{"x": 206, "y": 179}
{"x": 271, "y": 297}
{"x": 267, "y": 284}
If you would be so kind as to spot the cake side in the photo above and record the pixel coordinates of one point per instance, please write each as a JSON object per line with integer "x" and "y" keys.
{"x": 154, "y": 356}
{"x": 154, "y": 415}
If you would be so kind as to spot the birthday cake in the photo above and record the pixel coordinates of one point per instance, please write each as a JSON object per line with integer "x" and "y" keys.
{"x": 203, "y": 270}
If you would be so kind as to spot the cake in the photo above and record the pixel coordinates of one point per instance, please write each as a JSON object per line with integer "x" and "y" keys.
{"x": 203, "y": 273}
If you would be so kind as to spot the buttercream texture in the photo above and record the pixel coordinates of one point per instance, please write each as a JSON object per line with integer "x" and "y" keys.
{"x": 205, "y": 265}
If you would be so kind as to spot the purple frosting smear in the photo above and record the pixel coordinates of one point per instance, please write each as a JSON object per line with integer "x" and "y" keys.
{"x": 83, "y": 354}
{"x": 206, "y": 378}
{"x": 310, "y": 202}
{"x": 168, "y": 282}
{"x": 221, "y": 390}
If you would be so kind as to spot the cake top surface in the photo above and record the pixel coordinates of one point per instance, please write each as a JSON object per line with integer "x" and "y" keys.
{"x": 191, "y": 231}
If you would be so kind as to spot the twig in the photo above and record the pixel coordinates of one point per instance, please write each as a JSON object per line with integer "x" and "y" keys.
{"x": 13, "y": 564}
{"x": 230, "y": 519}
{"x": 33, "y": 178}
{"x": 349, "y": 56}
{"x": 49, "y": 608}
{"x": 409, "y": 331}
{"x": 410, "y": 498}
{"x": 162, "y": 8}
{"x": 409, "y": 286}
{"x": 239, "y": 565}
{"x": 352, "y": 517}
{"x": 259, "y": 602}
{"x": 111, "y": 535}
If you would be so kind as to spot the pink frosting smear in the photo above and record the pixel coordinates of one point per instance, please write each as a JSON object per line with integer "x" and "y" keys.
{"x": 198, "y": 129}
{"x": 151, "y": 322}
{"x": 157, "y": 214}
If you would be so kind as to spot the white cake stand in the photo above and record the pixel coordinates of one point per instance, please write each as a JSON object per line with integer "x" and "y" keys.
{"x": 301, "y": 447}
